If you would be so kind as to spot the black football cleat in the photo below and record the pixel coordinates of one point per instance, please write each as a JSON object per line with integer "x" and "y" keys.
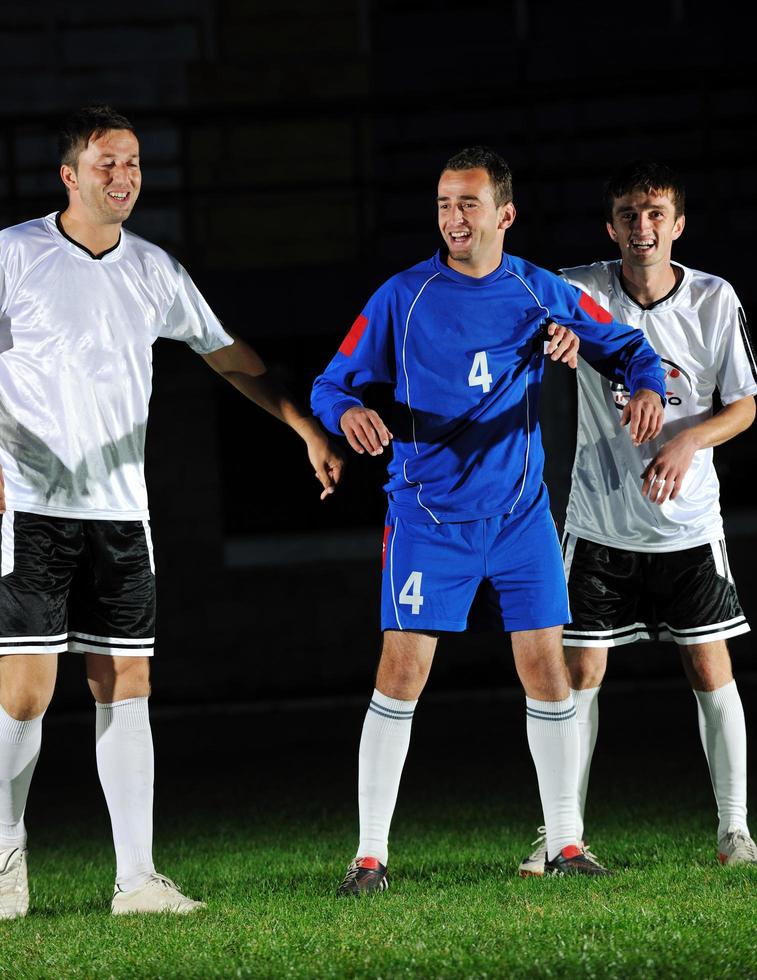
{"x": 364, "y": 877}
{"x": 573, "y": 860}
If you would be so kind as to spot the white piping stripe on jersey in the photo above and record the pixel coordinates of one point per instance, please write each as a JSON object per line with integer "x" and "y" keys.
{"x": 725, "y": 560}
{"x": 747, "y": 342}
{"x": 148, "y": 539}
{"x": 113, "y": 640}
{"x": 407, "y": 393}
{"x": 7, "y": 544}
{"x": 525, "y": 284}
{"x": 391, "y": 574}
{"x": 528, "y": 447}
{"x": 568, "y": 550}
{"x": 717, "y": 557}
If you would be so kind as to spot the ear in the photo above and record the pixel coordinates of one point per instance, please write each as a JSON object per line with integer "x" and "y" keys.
{"x": 678, "y": 226}
{"x": 611, "y": 232}
{"x": 506, "y": 216}
{"x": 68, "y": 176}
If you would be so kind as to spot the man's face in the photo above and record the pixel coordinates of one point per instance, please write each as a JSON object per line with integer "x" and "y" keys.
{"x": 107, "y": 178}
{"x": 472, "y": 225}
{"x": 645, "y": 227}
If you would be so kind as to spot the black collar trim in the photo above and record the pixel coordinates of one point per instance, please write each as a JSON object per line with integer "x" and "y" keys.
{"x": 677, "y": 271}
{"x": 62, "y": 230}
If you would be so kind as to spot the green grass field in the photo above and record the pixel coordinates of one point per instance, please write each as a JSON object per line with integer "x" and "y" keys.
{"x": 264, "y": 838}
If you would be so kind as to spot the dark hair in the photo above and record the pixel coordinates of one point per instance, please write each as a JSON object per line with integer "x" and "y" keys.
{"x": 500, "y": 176}
{"x": 84, "y": 125}
{"x": 647, "y": 176}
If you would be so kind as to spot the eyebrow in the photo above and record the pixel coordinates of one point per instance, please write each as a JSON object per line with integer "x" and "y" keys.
{"x": 459, "y": 197}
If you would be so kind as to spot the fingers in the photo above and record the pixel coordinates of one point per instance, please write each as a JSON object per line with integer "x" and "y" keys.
{"x": 646, "y": 419}
{"x": 329, "y": 475}
{"x": 365, "y": 431}
{"x": 563, "y": 346}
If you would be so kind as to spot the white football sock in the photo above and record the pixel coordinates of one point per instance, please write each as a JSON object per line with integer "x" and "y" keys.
{"x": 723, "y": 732}
{"x": 19, "y": 750}
{"x": 383, "y": 748}
{"x": 552, "y": 733}
{"x": 125, "y": 766}
{"x": 587, "y": 716}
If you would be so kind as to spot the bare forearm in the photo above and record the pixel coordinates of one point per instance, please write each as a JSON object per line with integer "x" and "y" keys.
{"x": 727, "y": 423}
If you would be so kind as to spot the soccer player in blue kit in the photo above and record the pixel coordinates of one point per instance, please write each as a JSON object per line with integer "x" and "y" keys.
{"x": 461, "y": 338}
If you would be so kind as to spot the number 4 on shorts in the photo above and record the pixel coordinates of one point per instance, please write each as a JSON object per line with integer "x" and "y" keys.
{"x": 411, "y": 592}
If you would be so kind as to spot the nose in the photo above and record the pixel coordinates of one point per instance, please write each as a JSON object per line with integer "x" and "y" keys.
{"x": 457, "y": 214}
{"x": 642, "y": 221}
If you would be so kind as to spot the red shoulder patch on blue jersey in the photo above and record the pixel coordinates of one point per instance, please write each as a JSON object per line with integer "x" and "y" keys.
{"x": 595, "y": 311}
{"x": 352, "y": 339}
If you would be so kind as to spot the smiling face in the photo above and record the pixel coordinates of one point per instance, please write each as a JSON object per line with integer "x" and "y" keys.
{"x": 104, "y": 185}
{"x": 644, "y": 225}
{"x": 472, "y": 225}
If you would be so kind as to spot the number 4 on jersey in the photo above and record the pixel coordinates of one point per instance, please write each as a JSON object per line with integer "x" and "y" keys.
{"x": 479, "y": 373}
{"x": 411, "y": 592}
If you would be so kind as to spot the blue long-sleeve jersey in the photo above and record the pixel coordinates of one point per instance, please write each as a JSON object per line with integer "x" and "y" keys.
{"x": 465, "y": 357}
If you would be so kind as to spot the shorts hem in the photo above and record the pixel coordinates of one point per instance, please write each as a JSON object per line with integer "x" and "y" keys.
{"x": 77, "y": 646}
{"x": 440, "y": 627}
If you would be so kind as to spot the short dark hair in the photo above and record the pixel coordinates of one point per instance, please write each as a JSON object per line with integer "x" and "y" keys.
{"x": 647, "y": 176}
{"x": 87, "y": 123}
{"x": 475, "y": 157}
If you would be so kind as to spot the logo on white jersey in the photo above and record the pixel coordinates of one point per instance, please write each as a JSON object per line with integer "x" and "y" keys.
{"x": 678, "y": 385}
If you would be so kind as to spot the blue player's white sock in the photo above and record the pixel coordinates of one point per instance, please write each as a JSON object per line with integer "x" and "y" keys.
{"x": 552, "y": 733}
{"x": 19, "y": 749}
{"x": 723, "y": 733}
{"x": 587, "y": 716}
{"x": 383, "y": 748}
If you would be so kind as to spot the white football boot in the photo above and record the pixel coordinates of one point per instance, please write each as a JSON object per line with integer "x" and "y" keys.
{"x": 534, "y": 863}
{"x": 14, "y": 889}
{"x": 158, "y": 894}
{"x": 737, "y": 847}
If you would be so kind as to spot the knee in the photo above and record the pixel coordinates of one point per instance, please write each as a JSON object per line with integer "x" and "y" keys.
{"x": 117, "y": 683}
{"x": 586, "y": 668}
{"x": 24, "y": 705}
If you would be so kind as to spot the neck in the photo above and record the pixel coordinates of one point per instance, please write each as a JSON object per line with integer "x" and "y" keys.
{"x": 96, "y": 238}
{"x": 648, "y": 285}
{"x": 476, "y": 270}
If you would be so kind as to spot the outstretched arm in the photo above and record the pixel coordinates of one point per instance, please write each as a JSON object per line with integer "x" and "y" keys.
{"x": 664, "y": 475}
{"x": 241, "y": 366}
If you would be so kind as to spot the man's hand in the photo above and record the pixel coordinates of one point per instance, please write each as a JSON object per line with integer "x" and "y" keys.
{"x": 664, "y": 475}
{"x": 364, "y": 430}
{"x": 2, "y": 491}
{"x": 645, "y": 413}
{"x": 327, "y": 462}
{"x": 564, "y": 344}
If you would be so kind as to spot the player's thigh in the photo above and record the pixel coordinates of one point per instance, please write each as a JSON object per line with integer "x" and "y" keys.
{"x": 405, "y": 664}
{"x": 707, "y": 665}
{"x": 607, "y": 593}
{"x": 113, "y": 601}
{"x": 430, "y": 575}
{"x": 39, "y": 556}
{"x": 696, "y": 596}
{"x": 524, "y": 568}
{"x": 27, "y": 683}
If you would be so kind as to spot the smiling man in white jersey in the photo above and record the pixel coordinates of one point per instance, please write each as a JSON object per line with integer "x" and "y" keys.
{"x": 82, "y": 302}
{"x": 644, "y": 551}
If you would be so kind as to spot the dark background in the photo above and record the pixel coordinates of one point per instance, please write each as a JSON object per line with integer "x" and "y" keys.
{"x": 290, "y": 155}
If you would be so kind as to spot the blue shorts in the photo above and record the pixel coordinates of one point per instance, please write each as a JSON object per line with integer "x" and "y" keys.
{"x": 432, "y": 572}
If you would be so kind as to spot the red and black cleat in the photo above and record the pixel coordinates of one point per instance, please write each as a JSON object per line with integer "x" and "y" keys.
{"x": 573, "y": 860}
{"x": 364, "y": 876}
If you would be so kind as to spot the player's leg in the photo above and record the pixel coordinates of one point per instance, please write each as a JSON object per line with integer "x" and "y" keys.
{"x": 722, "y": 729}
{"x": 428, "y": 584}
{"x": 586, "y": 667}
{"x": 37, "y": 562}
{"x": 700, "y": 611}
{"x": 402, "y": 673}
{"x": 525, "y": 569}
{"x": 112, "y": 621}
{"x": 27, "y": 683}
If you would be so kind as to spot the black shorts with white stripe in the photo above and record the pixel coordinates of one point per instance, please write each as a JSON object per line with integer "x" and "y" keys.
{"x": 76, "y": 584}
{"x": 619, "y": 596}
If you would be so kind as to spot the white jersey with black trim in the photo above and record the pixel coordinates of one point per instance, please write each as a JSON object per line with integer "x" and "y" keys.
{"x": 76, "y": 336}
{"x": 700, "y": 333}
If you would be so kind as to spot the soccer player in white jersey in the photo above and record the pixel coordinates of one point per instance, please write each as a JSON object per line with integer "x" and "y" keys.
{"x": 644, "y": 551}
{"x": 82, "y": 302}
